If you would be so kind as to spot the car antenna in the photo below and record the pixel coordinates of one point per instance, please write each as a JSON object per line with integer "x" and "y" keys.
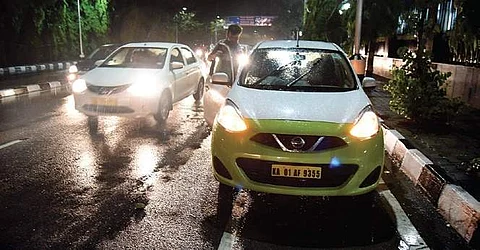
{"x": 297, "y": 36}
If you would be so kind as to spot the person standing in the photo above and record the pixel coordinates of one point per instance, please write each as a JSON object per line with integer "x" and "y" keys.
{"x": 229, "y": 48}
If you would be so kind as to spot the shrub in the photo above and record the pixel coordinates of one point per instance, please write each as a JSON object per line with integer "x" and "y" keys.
{"x": 418, "y": 91}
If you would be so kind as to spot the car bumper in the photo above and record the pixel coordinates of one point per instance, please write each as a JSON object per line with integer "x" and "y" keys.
{"x": 351, "y": 169}
{"x": 121, "y": 104}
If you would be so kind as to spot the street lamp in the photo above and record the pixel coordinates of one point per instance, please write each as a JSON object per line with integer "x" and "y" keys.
{"x": 80, "y": 29}
{"x": 358, "y": 62}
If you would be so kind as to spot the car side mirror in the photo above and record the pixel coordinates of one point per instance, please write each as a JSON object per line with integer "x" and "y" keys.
{"x": 369, "y": 82}
{"x": 99, "y": 62}
{"x": 221, "y": 79}
{"x": 176, "y": 65}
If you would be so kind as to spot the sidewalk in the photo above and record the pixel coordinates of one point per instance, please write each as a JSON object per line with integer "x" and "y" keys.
{"x": 433, "y": 158}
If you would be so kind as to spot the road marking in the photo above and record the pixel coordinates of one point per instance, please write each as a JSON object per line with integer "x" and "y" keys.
{"x": 8, "y": 144}
{"x": 409, "y": 237}
{"x": 227, "y": 241}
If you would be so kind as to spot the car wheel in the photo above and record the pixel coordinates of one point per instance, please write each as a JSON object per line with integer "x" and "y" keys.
{"x": 164, "y": 106}
{"x": 92, "y": 122}
{"x": 200, "y": 89}
{"x": 225, "y": 202}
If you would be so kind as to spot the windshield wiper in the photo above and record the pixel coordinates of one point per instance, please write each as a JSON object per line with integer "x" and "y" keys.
{"x": 314, "y": 65}
{"x": 275, "y": 71}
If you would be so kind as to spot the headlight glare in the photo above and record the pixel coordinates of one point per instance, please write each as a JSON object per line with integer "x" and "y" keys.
{"x": 73, "y": 69}
{"x": 79, "y": 86}
{"x": 366, "y": 126}
{"x": 144, "y": 86}
{"x": 230, "y": 119}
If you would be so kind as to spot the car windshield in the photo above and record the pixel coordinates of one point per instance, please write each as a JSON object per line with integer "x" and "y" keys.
{"x": 101, "y": 52}
{"x": 298, "y": 69}
{"x": 137, "y": 57}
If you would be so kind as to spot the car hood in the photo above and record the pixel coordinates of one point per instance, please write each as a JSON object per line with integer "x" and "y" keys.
{"x": 110, "y": 77}
{"x": 338, "y": 107}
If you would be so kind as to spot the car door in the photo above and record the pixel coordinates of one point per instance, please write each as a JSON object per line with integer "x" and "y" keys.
{"x": 215, "y": 94}
{"x": 192, "y": 69}
{"x": 180, "y": 83}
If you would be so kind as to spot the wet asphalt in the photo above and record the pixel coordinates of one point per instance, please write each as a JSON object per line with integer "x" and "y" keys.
{"x": 132, "y": 184}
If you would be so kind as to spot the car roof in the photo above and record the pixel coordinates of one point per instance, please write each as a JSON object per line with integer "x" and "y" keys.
{"x": 154, "y": 44}
{"x": 301, "y": 44}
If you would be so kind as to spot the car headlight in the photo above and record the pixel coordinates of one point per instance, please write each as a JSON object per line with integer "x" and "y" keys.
{"x": 73, "y": 69}
{"x": 71, "y": 77}
{"x": 144, "y": 86}
{"x": 366, "y": 125}
{"x": 242, "y": 59}
{"x": 229, "y": 118}
{"x": 79, "y": 86}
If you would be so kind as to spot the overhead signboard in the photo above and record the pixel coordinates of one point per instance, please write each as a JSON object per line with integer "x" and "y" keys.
{"x": 251, "y": 20}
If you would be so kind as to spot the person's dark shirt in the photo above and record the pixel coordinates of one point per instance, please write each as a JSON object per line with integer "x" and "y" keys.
{"x": 234, "y": 48}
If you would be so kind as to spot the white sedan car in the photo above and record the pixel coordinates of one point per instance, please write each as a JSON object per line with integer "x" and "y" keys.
{"x": 140, "y": 79}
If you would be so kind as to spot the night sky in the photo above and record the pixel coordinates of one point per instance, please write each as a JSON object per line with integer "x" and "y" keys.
{"x": 209, "y": 9}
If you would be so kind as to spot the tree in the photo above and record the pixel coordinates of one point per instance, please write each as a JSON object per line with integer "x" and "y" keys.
{"x": 372, "y": 29}
{"x": 464, "y": 39}
{"x": 323, "y": 21}
{"x": 36, "y": 31}
{"x": 289, "y": 19}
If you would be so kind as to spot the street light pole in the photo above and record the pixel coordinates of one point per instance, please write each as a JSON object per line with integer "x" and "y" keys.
{"x": 80, "y": 29}
{"x": 358, "y": 62}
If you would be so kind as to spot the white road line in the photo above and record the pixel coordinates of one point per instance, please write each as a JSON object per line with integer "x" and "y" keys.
{"x": 409, "y": 237}
{"x": 8, "y": 144}
{"x": 227, "y": 241}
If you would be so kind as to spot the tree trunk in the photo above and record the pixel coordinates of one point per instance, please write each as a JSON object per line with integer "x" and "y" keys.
{"x": 371, "y": 56}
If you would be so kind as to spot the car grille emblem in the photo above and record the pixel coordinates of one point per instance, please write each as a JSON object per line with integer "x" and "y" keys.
{"x": 297, "y": 142}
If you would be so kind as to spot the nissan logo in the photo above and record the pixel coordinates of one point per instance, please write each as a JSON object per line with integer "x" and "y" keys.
{"x": 297, "y": 142}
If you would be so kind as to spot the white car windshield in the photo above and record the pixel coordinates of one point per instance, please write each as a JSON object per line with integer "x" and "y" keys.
{"x": 137, "y": 57}
{"x": 298, "y": 69}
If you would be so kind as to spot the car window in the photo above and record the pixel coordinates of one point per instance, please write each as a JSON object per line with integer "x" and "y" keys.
{"x": 298, "y": 69}
{"x": 101, "y": 52}
{"x": 137, "y": 57}
{"x": 189, "y": 56}
{"x": 176, "y": 56}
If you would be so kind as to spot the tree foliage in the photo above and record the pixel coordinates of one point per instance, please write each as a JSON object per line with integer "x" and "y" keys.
{"x": 48, "y": 30}
{"x": 419, "y": 91}
{"x": 323, "y": 21}
{"x": 464, "y": 39}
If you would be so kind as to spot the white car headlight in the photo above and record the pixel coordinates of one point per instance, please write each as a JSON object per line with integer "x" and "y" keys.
{"x": 230, "y": 119}
{"x": 73, "y": 69}
{"x": 366, "y": 125}
{"x": 79, "y": 86}
{"x": 242, "y": 59}
{"x": 144, "y": 86}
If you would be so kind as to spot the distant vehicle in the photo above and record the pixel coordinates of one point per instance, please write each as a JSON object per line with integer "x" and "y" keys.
{"x": 140, "y": 79}
{"x": 296, "y": 121}
{"x": 88, "y": 63}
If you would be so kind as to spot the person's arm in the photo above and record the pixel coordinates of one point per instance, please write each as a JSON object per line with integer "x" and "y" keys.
{"x": 213, "y": 54}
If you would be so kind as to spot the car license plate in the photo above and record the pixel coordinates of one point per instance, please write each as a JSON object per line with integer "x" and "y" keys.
{"x": 104, "y": 101}
{"x": 296, "y": 171}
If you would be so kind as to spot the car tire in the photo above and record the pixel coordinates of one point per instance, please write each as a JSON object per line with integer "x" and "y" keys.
{"x": 224, "y": 202}
{"x": 164, "y": 107}
{"x": 198, "y": 95}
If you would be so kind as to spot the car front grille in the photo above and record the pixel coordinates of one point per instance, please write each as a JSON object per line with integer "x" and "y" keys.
{"x": 332, "y": 176}
{"x": 102, "y": 90}
{"x": 107, "y": 109}
{"x": 298, "y": 143}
